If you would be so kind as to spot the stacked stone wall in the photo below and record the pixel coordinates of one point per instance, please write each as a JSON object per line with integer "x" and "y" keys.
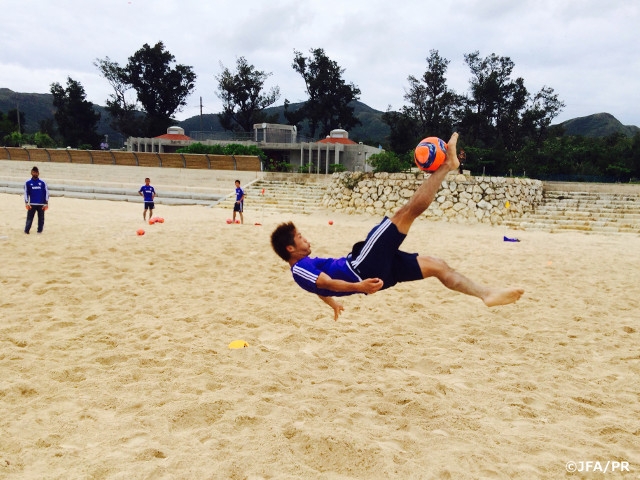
{"x": 461, "y": 198}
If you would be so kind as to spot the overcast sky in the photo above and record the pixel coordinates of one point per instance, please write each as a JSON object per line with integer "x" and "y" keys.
{"x": 586, "y": 50}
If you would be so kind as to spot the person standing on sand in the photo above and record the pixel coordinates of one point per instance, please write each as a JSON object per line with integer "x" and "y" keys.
{"x": 36, "y": 200}
{"x": 149, "y": 194}
{"x": 378, "y": 263}
{"x": 238, "y": 206}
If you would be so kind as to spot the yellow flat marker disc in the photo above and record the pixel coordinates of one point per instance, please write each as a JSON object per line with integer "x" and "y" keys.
{"x": 507, "y": 204}
{"x": 238, "y": 344}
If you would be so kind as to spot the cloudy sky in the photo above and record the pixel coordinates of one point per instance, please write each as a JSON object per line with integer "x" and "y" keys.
{"x": 586, "y": 50}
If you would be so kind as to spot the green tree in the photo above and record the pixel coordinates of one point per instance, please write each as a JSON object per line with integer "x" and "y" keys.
{"x": 42, "y": 140}
{"x": 6, "y": 126}
{"x": 14, "y": 139}
{"x": 500, "y": 112}
{"x": 161, "y": 90}
{"x": 492, "y": 110}
{"x": 431, "y": 103}
{"x": 48, "y": 126}
{"x": 542, "y": 108}
{"x": 328, "y": 106}
{"x": 580, "y": 158}
{"x": 77, "y": 121}
{"x": 390, "y": 162}
{"x": 634, "y": 154}
{"x": 618, "y": 160}
{"x": 125, "y": 117}
{"x": 20, "y": 124}
{"x": 431, "y": 111}
{"x": 242, "y": 96}
{"x": 404, "y": 132}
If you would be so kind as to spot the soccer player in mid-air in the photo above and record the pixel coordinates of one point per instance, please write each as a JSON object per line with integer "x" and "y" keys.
{"x": 378, "y": 263}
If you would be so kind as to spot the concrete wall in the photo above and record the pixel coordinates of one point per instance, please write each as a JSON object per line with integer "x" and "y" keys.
{"x": 626, "y": 188}
{"x": 124, "y": 176}
{"x": 142, "y": 159}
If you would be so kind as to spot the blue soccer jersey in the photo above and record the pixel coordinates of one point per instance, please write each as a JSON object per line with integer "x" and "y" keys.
{"x": 239, "y": 195}
{"x": 377, "y": 257}
{"x": 306, "y": 271}
{"x": 147, "y": 192}
{"x": 36, "y": 192}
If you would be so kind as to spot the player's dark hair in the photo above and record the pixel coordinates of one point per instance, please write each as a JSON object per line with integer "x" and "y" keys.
{"x": 281, "y": 238}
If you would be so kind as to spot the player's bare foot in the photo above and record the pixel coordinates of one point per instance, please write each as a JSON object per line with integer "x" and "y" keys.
{"x": 505, "y": 296}
{"x": 452, "y": 162}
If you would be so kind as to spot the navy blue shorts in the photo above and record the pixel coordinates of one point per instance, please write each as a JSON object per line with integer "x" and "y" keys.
{"x": 148, "y": 205}
{"x": 237, "y": 207}
{"x": 379, "y": 256}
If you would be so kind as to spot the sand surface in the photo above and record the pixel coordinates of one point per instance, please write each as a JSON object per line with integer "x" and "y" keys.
{"x": 114, "y": 358}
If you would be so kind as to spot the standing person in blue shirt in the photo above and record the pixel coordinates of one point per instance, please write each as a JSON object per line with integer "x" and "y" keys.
{"x": 378, "y": 263}
{"x": 36, "y": 199}
{"x": 239, "y": 205}
{"x": 148, "y": 193}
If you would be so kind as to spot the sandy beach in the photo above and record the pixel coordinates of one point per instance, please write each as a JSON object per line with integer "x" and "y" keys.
{"x": 114, "y": 357}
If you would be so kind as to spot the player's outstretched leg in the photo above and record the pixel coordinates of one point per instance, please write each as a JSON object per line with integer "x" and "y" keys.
{"x": 426, "y": 192}
{"x": 491, "y": 296}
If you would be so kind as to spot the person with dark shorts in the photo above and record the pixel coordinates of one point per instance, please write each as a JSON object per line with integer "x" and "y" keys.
{"x": 378, "y": 263}
{"x": 148, "y": 193}
{"x": 238, "y": 206}
{"x": 36, "y": 200}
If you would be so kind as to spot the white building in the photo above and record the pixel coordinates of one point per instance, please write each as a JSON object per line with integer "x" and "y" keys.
{"x": 167, "y": 143}
{"x": 279, "y": 142}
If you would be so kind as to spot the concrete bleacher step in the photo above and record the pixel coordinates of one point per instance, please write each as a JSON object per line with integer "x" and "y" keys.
{"x": 588, "y": 209}
{"x": 594, "y": 212}
{"x": 587, "y": 212}
{"x": 302, "y": 194}
{"x": 97, "y": 192}
{"x": 281, "y": 196}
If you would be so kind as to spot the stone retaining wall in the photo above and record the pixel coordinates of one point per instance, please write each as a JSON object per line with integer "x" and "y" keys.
{"x": 461, "y": 198}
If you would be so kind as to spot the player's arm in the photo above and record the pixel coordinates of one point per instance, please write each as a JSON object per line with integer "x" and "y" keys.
{"x": 368, "y": 285}
{"x": 337, "y": 306}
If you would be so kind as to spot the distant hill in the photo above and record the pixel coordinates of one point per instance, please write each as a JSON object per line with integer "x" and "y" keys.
{"x": 35, "y": 106}
{"x": 39, "y": 106}
{"x": 597, "y": 125}
{"x": 372, "y": 130}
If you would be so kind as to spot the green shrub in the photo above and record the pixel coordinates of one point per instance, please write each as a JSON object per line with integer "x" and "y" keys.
{"x": 390, "y": 162}
{"x": 14, "y": 139}
{"x": 43, "y": 140}
{"x": 229, "y": 149}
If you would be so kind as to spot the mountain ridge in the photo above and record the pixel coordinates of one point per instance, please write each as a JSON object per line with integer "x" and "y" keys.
{"x": 597, "y": 125}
